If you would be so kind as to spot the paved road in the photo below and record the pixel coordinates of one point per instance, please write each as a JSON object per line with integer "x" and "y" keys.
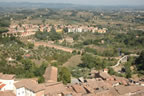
{"x": 120, "y": 60}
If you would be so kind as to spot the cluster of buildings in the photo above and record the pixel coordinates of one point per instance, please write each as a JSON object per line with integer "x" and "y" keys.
{"x": 86, "y": 29}
{"x": 23, "y": 30}
{"x": 9, "y": 86}
{"x": 100, "y": 84}
{"x": 103, "y": 84}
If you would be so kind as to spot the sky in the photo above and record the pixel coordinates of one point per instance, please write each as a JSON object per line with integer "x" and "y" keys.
{"x": 86, "y": 2}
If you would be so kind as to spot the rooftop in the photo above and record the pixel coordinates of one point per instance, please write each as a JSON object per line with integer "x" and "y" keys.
{"x": 30, "y": 84}
{"x": 7, "y": 76}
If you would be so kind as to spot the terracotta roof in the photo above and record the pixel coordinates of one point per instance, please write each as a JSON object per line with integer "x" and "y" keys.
{"x": 78, "y": 89}
{"x": 120, "y": 78}
{"x": 105, "y": 75}
{"x": 50, "y": 74}
{"x": 104, "y": 93}
{"x": 112, "y": 82}
{"x": 113, "y": 91}
{"x": 122, "y": 90}
{"x": 139, "y": 94}
{"x": 2, "y": 85}
{"x": 54, "y": 88}
{"x": 6, "y": 76}
{"x": 30, "y": 84}
{"x": 98, "y": 84}
{"x": 7, "y": 93}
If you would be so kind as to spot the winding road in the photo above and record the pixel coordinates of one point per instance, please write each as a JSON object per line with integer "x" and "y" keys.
{"x": 124, "y": 59}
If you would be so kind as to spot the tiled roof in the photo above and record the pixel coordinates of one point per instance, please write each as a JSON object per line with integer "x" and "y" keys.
{"x": 50, "y": 74}
{"x": 30, "y": 84}
{"x": 2, "y": 85}
{"x": 6, "y": 76}
{"x": 128, "y": 89}
{"x": 78, "y": 88}
{"x": 7, "y": 93}
{"x": 54, "y": 88}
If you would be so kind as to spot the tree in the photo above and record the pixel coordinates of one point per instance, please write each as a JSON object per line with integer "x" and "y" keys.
{"x": 76, "y": 37}
{"x": 128, "y": 70}
{"x": 64, "y": 75}
{"x": 140, "y": 61}
{"x": 65, "y": 30}
{"x": 30, "y": 45}
{"x": 40, "y": 71}
{"x": 74, "y": 52}
{"x": 2, "y": 30}
{"x": 91, "y": 61}
{"x": 4, "y": 22}
{"x": 41, "y": 79}
{"x": 111, "y": 71}
{"x": 28, "y": 64}
{"x": 54, "y": 35}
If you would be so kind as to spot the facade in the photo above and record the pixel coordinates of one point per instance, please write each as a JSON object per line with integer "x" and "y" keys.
{"x": 29, "y": 87}
{"x": 7, "y": 81}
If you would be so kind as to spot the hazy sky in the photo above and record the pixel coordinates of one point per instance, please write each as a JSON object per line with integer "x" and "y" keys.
{"x": 86, "y": 2}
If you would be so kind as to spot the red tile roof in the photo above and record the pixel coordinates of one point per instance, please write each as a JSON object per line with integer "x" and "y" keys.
{"x": 7, "y": 76}
{"x": 30, "y": 84}
{"x": 51, "y": 74}
{"x": 7, "y": 93}
{"x": 2, "y": 85}
{"x": 78, "y": 89}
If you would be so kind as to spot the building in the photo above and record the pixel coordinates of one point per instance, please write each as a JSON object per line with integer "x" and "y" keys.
{"x": 7, "y": 93}
{"x": 6, "y": 82}
{"x": 28, "y": 87}
{"x": 55, "y": 89}
{"x": 105, "y": 76}
{"x": 51, "y": 74}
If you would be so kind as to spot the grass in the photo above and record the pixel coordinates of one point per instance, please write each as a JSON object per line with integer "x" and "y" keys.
{"x": 73, "y": 61}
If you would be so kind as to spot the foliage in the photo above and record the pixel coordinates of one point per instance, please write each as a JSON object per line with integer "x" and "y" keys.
{"x": 4, "y": 23}
{"x": 30, "y": 45}
{"x": 64, "y": 75}
{"x": 28, "y": 64}
{"x": 90, "y": 61}
{"x": 2, "y": 30}
{"x": 41, "y": 79}
{"x": 111, "y": 71}
{"x": 140, "y": 62}
{"x": 39, "y": 71}
{"x": 52, "y": 35}
{"x": 78, "y": 72}
{"x": 128, "y": 70}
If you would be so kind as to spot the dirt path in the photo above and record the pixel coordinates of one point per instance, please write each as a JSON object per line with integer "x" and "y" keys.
{"x": 73, "y": 61}
{"x": 54, "y": 46}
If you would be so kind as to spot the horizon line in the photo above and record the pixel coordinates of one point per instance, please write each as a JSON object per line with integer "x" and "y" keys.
{"x": 73, "y": 3}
